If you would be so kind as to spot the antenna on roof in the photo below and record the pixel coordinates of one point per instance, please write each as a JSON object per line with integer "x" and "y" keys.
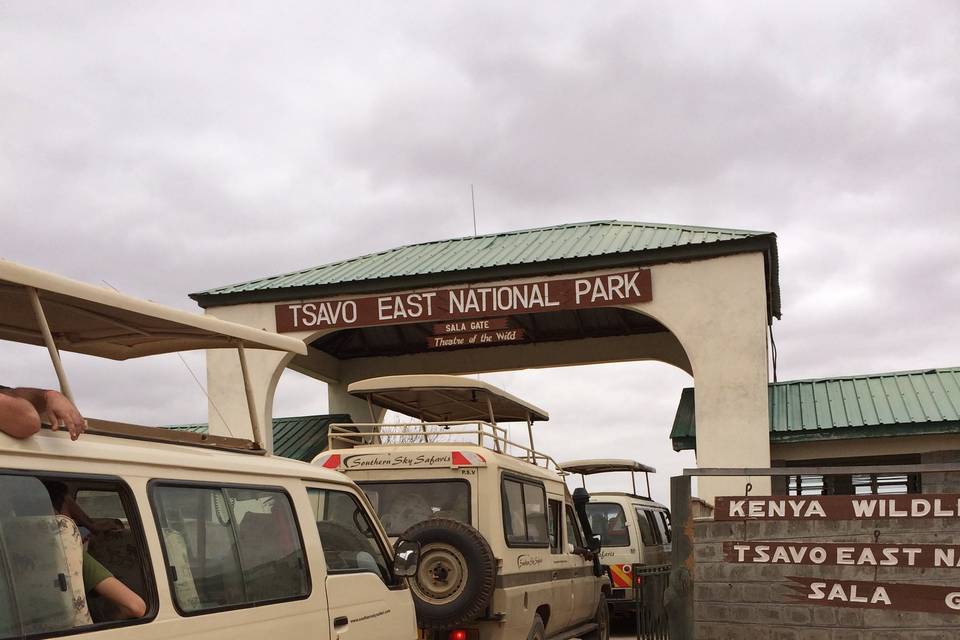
{"x": 473, "y": 203}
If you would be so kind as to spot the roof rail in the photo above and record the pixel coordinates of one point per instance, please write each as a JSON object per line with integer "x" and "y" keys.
{"x": 482, "y": 434}
{"x": 168, "y": 436}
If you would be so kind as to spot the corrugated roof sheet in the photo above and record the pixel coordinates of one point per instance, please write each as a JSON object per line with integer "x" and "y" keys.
{"x": 579, "y": 241}
{"x": 877, "y": 405}
{"x": 297, "y": 438}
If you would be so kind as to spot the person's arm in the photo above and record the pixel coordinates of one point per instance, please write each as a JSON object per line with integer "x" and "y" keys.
{"x": 18, "y": 417}
{"x": 130, "y": 604}
{"x": 52, "y": 407}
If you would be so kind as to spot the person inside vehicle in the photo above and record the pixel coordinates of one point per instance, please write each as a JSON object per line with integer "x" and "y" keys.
{"x": 23, "y": 410}
{"x": 96, "y": 577}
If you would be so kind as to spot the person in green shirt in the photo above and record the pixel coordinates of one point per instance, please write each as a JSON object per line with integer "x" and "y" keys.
{"x": 96, "y": 577}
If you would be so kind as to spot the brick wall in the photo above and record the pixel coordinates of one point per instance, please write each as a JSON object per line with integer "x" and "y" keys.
{"x": 752, "y": 601}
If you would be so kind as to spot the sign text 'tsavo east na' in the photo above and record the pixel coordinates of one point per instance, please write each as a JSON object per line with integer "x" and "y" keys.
{"x": 467, "y": 302}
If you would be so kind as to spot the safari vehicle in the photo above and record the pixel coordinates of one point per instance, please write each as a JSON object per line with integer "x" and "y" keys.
{"x": 503, "y": 552}
{"x": 633, "y": 529}
{"x": 218, "y": 539}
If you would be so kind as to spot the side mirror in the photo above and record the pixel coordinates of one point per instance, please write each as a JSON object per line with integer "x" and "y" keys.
{"x": 594, "y": 544}
{"x": 406, "y": 558}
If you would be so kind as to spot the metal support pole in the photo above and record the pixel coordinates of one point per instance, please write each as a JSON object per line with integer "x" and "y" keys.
{"x": 678, "y": 598}
{"x": 633, "y": 479}
{"x": 51, "y": 345}
{"x": 493, "y": 421}
{"x": 530, "y": 436}
{"x": 647, "y": 475}
{"x": 248, "y": 390}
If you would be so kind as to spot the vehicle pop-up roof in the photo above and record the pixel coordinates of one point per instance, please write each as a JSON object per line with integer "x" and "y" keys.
{"x": 442, "y": 398}
{"x": 445, "y": 400}
{"x": 41, "y": 308}
{"x": 610, "y": 465}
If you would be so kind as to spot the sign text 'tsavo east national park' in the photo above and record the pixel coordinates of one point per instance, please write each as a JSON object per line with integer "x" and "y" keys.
{"x": 475, "y": 301}
{"x": 807, "y": 551}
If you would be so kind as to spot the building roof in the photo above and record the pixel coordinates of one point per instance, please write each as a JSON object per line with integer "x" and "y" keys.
{"x": 547, "y": 250}
{"x": 878, "y": 405}
{"x": 297, "y": 438}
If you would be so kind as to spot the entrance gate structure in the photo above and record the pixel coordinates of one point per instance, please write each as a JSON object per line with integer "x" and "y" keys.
{"x": 700, "y": 299}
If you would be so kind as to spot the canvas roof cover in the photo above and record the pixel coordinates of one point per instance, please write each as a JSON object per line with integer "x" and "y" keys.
{"x": 604, "y": 465}
{"x": 444, "y": 398}
{"x": 100, "y": 322}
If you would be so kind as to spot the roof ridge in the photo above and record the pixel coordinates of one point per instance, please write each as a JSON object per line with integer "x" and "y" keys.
{"x": 881, "y": 374}
{"x": 501, "y": 234}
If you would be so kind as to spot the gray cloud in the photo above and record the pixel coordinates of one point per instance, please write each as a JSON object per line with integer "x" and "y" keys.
{"x": 174, "y": 147}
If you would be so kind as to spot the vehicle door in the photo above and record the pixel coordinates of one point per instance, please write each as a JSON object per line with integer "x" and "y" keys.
{"x": 585, "y": 584}
{"x": 651, "y": 536}
{"x": 562, "y": 570}
{"x": 367, "y": 602}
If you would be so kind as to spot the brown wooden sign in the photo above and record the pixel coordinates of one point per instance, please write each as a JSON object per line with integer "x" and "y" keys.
{"x": 837, "y": 507}
{"x": 852, "y": 554}
{"x": 471, "y": 326}
{"x": 926, "y": 598}
{"x": 475, "y": 339}
{"x": 474, "y": 301}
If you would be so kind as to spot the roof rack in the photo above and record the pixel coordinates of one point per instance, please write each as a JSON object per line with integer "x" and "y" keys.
{"x": 483, "y": 434}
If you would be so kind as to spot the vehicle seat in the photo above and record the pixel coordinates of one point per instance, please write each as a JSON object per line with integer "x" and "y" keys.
{"x": 118, "y": 552}
{"x": 46, "y": 556}
{"x": 268, "y": 549}
{"x": 185, "y": 589}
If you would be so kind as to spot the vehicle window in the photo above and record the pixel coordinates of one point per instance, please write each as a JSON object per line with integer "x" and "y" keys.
{"x": 348, "y": 538}
{"x": 665, "y": 525}
{"x": 654, "y": 527}
{"x": 524, "y": 513}
{"x": 556, "y": 542}
{"x": 400, "y": 505}
{"x": 42, "y": 540}
{"x": 573, "y": 528}
{"x": 646, "y": 531}
{"x": 608, "y": 521}
{"x": 229, "y": 547}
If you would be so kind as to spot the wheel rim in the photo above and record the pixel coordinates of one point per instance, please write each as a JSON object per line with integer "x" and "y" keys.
{"x": 442, "y": 575}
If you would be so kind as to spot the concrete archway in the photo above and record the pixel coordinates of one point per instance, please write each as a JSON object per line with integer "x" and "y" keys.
{"x": 706, "y": 314}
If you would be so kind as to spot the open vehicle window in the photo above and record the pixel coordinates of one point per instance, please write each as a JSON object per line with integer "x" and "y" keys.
{"x": 349, "y": 540}
{"x": 609, "y": 522}
{"x": 556, "y": 542}
{"x": 665, "y": 525}
{"x": 524, "y": 513}
{"x": 400, "y": 505}
{"x": 229, "y": 547}
{"x": 43, "y": 560}
{"x": 573, "y": 529}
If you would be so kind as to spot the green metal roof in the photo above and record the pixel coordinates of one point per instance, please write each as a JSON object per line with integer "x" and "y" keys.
{"x": 878, "y": 405}
{"x": 585, "y": 245}
{"x": 297, "y": 438}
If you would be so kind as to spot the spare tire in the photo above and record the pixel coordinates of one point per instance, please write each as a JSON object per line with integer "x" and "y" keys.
{"x": 455, "y": 579}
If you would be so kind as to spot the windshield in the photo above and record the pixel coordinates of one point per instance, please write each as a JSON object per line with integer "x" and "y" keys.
{"x": 401, "y": 505}
{"x": 607, "y": 521}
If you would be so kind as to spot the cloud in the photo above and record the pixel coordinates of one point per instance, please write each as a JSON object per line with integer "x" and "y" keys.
{"x": 175, "y": 147}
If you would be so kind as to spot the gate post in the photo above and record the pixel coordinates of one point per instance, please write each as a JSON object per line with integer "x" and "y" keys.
{"x": 678, "y": 598}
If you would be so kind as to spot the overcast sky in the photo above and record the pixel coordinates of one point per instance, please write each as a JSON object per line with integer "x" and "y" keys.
{"x": 169, "y": 147}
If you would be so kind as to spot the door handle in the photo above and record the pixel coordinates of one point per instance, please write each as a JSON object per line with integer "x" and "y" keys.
{"x": 340, "y": 622}
{"x": 556, "y": 574}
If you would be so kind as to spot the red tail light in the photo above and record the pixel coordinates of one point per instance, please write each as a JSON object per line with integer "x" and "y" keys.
{"x": 457, "y": 634}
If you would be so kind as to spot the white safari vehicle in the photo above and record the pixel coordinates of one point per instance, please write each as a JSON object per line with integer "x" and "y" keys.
{"x": 218, "y": 539}
{"x": 632, "y": 528}
{"x": 503, "y": 552}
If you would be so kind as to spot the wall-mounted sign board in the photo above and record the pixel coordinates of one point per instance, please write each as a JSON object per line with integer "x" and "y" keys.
{"x": 898, "y": 596}
{"x": 462, "y": 303}
{"x": 837, "y": 507}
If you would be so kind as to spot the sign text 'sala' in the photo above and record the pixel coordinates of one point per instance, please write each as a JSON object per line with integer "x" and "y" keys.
{"x": 468, "y": 302}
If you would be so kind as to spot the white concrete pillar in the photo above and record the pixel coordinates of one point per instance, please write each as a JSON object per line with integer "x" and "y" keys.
{"x": 717, "y": 309}
{"x": 339, "y": 401}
